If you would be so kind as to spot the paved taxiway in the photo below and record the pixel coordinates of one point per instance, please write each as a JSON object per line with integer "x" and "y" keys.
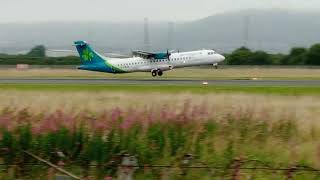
{"x": 165, "y": 82}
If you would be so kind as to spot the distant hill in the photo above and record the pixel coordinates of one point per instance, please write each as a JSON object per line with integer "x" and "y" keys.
{"x": 270, "y": 30}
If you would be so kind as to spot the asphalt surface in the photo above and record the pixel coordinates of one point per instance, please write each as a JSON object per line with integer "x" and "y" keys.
{"x": 165, "y": 82}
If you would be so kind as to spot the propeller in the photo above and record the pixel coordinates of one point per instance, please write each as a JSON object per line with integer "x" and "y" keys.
{"x": 168, "y": 55}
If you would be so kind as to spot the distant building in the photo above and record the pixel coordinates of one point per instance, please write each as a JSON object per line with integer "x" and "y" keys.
{"x": 22, "y": 67}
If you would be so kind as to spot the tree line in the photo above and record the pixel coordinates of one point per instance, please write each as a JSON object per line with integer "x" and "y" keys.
{"x": 37, "y": 56}
{"x": 241, "y": 56}
{"x": 297, "y": 56}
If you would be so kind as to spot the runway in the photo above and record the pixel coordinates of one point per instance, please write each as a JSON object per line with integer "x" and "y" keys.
{"x": 164, "y": 82}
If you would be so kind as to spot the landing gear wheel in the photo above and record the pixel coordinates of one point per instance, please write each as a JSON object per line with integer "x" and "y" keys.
{"x": 216, "y": 67}
{"x": 154, "y": 73}
{"x": 160, "y": 73}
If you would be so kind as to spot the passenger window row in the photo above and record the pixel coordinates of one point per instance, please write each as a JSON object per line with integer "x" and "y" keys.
{"x": 135, "y": 63}
{"x": 182, "y": 58}
{"x": 153, "y": 61}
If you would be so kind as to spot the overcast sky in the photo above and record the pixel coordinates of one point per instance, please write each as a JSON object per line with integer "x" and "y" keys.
{"x": 135, "y": 10}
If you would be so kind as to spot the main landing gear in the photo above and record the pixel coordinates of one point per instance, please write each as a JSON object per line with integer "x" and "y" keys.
{"x": 215, "y": 65}
{"x": 156, "y": 72}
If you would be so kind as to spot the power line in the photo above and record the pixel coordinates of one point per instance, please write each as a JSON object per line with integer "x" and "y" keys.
{"x": 147, "y": 44}
{"x": 170, "y": 35}
{"x": 246, "y": 30}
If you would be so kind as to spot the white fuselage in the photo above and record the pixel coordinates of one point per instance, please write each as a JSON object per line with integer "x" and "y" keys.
{"x": 176, "y": 60}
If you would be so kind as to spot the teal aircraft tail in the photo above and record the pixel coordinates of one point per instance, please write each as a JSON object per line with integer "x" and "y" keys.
{"x": 93, "y": 61}
{"x": 87, "y": 54}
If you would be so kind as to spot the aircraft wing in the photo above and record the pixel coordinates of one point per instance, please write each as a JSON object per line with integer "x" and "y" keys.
{"x": 148, "y": 55}
{"x": 143, "y": 54}
{"x": 116, "y": 55}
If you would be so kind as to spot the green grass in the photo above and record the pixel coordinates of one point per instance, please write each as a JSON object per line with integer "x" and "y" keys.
{"x": 197, "y": 89}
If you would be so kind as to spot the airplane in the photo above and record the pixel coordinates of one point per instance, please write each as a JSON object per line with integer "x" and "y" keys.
{"x": 142, "y": 61}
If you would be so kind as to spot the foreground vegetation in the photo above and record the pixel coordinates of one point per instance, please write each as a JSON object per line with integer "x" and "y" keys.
{"x": 89, "y": 131}
{"x": 91, "y": 144}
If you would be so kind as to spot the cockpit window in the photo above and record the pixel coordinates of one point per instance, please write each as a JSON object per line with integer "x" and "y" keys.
{"x": 212, "y": 52}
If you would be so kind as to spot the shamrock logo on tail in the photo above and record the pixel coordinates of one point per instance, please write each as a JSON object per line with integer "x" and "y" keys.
{"x": 87, "y": 55}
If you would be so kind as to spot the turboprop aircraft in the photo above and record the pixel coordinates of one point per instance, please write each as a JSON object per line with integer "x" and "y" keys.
{"x": 142, "y": 61}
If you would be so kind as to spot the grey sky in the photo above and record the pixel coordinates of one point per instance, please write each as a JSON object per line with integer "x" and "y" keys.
{"x": 135, "y": 10}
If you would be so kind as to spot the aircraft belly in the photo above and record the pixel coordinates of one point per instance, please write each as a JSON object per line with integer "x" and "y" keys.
{"x": 98, "y": 68}
{"x": 144, "y": 68}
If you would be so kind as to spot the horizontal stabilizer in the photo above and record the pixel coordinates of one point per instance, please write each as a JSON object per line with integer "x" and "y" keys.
{"x": 80, "y": 43}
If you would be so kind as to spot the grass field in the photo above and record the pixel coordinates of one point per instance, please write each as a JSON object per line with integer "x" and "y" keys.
{"x": 173, "y": 89}
{"x": 302, "y": 102}
{"x": 186, "y": 73}
{"x": 223, "y": 99}
{"x": 303, "y": 107}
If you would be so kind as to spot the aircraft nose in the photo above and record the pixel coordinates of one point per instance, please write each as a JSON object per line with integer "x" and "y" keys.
{"x": 221, "y": 58}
